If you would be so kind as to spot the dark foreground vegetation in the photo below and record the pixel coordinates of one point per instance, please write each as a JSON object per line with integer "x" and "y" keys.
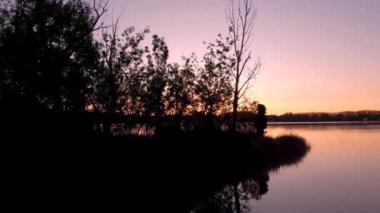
{"x": 53, "y": 166}
{"x": 110, "y": 121}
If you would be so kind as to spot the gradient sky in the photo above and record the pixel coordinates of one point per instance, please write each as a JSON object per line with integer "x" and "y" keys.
{"x": 317, "y": 55}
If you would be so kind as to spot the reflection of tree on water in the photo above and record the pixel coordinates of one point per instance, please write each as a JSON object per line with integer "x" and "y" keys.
{"x": 220, "y": 173}
{"x": 235, "y": 197}
{"x": 253, "y": 183}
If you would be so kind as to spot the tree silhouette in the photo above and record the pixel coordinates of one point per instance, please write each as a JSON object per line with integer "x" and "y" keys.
{"x": 49, "y": 56}
{"x": 213, "y": 84}
{"x": 48, "y": 51}
{"x": 241, "y": 16}
{"x": 121, "y": 60}
{"x": 236, "y": 197}
{"x": 180, "y": 90}
{"x": 261, "y": 120}
{"x": 156, "y": 77}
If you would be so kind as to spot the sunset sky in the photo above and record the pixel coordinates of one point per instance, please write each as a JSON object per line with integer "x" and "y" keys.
{"x": 317, "y": 55}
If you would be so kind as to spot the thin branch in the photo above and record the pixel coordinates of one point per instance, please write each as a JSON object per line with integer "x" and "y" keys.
{"x": 252, "y": 75}
{"x": 244, "y": 64}
{"x": 99, "y": 9}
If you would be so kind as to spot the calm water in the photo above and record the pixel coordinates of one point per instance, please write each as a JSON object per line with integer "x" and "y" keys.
{"x": 340, "y": 174}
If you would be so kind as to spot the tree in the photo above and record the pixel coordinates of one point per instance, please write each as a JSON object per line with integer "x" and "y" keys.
{"x": 179, "y": 93}
{"x": 120, "y": 63}
{"x": 213, "y": 86}
{"x": 48, "y": 51}
{"x": 261, "y": 119}
{"x": 4, "y": 24}
{"x": 180, "y": 88}
{"x": 156, "y": 77}
{"x": 241, "y": 16}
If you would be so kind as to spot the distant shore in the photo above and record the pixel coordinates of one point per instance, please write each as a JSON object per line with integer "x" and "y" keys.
{"x": 324, "y": 123}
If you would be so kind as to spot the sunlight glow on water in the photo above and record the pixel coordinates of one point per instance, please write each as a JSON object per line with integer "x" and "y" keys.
{"x": 340, "y": 174}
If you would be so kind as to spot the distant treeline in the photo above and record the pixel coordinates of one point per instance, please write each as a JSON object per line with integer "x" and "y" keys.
{"x": 365, "y": 115}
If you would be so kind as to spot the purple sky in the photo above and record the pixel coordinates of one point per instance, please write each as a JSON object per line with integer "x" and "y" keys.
{"x": 317, "y": 55}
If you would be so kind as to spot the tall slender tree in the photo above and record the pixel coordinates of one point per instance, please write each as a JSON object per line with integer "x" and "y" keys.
{"x": 240, "y": 15}
{"x": 156, "y": 77}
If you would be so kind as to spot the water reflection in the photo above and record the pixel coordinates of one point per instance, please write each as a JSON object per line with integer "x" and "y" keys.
{"x": 340, "y": 174}
{"x": 236, "y": 197}
{"x": 193, "y": 177}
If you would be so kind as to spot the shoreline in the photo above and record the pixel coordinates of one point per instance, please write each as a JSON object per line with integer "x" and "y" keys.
{"x": 324, "y": 123}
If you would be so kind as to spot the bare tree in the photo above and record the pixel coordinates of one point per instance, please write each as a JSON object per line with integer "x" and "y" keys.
{"x": 241, "y": 15}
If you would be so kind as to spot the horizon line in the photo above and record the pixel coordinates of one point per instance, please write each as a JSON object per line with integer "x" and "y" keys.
{"x": 325, "y": 112}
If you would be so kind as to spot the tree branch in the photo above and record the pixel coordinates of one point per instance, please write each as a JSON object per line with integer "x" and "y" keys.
{"x": 252, "y": 75}
{"x": 99, "y": 7}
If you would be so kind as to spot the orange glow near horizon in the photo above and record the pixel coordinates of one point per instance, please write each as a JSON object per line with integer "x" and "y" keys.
{"x": 318, "y": 56}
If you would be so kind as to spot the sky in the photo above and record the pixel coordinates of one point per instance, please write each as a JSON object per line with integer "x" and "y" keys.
{"x": 318, "y": 56}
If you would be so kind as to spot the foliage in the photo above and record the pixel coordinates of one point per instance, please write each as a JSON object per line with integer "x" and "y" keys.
{"x": 213, "y": 84}
{"x": 48, "y": 51}
{"x": 155, "y": 77}
{"x": 181, "y": 83}
{"x": 50, "y": 57}
{"x": 117, "y": 84}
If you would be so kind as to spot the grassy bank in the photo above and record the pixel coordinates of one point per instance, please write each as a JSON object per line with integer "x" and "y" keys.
{"x": 188, "y": 168}
{"x": 49, "y": 162}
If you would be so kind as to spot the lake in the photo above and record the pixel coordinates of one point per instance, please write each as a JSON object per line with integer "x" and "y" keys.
{"x": 341, "y": 173}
